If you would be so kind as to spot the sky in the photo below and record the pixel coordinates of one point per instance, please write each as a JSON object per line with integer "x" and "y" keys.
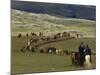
{"x": 82, "y": 2}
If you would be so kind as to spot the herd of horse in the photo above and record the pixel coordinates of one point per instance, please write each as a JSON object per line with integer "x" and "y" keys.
{"x": 33, "y": 44}
{"x": 37, "y": 40}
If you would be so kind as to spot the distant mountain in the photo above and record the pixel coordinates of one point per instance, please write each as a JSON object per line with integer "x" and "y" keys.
{"x": 54, "y": 9}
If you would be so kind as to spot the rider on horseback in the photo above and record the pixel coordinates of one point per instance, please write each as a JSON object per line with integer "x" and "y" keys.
{"x": 82, "y": 55}
{"x": 87, "y": 51}
{"x": 81, "y": 48}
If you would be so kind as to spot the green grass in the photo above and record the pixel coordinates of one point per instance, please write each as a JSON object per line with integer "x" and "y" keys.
{"x": 36, "y": 62}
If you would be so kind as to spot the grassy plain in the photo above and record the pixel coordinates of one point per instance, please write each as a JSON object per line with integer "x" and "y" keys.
{"x": 36, "y": 62}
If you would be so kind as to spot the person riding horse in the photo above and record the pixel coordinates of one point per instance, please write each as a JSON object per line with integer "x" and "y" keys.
{"x": 87, "y": 51}
{"x": 82, "y": 55}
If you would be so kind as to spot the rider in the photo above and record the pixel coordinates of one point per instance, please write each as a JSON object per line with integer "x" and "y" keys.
{"x": 81, "y": 48}
{"x": 87, "y": 51}
{"x": 82, "y": 55}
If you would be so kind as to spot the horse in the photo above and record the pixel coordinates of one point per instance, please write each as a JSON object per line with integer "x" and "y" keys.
{"x": 66, "y": 34}
{"x": 35, "y": 40}
{"x": 26, "y": 48}
{"x": 66, "y": 52}
{"x": 81, "y": 59}
{"x": 41, "y": 50}
{"x": 59, "y": 51}
{"x": 27, "y": 34}
{"x": 87, "y": 61}
{"x": 51, "y": 50}
{"x": 19, "y": 35}
{"x": 33, "y": 34}
{"x": 45, "y": 50}
{"x": 75, "y": 58}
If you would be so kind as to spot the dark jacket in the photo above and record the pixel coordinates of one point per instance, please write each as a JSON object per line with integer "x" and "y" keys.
{"x": 81, "y": 48}
{"x": 87, "y": 51}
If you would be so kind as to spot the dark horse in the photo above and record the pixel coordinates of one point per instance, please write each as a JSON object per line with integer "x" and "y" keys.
{"x": 77, "y": 59}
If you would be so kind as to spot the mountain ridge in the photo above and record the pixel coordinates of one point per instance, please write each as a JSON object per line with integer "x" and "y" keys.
{"x": 61, "y": 10}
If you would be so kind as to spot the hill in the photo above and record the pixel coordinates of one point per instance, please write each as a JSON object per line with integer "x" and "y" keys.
{"x": 54, "y": 9}
{"x": 23, "y": 22}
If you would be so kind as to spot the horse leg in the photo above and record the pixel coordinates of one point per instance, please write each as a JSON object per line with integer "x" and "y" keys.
{"x": 30, "y": 48}
{"x": 90, "y": 59}
{"x": 73, "y": 61}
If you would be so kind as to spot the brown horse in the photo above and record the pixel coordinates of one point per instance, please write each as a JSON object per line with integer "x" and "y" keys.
{"x": 75, "y": 58}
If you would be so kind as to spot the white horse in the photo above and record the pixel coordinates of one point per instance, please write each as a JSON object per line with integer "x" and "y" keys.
{"x": 50, "y": 51}
{"x": 87, "y": 61}
{"x": 29, "y": 46}
{"x": 59, "y": 51}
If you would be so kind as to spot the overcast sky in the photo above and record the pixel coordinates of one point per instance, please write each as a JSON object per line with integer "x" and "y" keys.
{"x": 83, "y": 2}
